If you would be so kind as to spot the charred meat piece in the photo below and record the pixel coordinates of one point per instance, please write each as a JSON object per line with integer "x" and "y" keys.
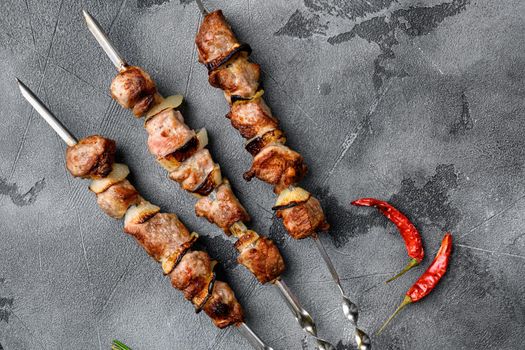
{"x": 133, "y": 88}
{"x": 167, "y": 133}
{"x": 278, "y": 165}
{"x": 164, "y": 237}
{"x": 304, "y": 219}
{"x": 192, "y": 274}
{"x": 238, "y": 77}
{"x": 215, "y": 40}
{"x": 222, "y": 307}
{"x": 252, "y": 118}
{"x": 194, "y": 171}
{"x": 224, "y": 209}
{"x": 263, "y": 259}
{"x": 116, "y": 200}
{"x": 91, "y": 158}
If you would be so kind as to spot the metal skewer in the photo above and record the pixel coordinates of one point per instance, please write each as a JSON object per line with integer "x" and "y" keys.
{"x": 103, "y": 41}
{"x": 349, "y": 308}
{"x": 301, "y": 315}
{"x": 202, "y": 8}
{"x": 68, "y": 138}
{"x": 39, "y": 106}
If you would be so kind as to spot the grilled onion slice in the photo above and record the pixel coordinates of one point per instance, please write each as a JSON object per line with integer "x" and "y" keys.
{"x": 174, "y": 102}
{"x": 246, "y": 241}
{"x": 118, "y": 173}
{"x": 138, "y": 214}
{"x": 204, "y": 295}
{"x": 257, "y": 143}
{"x": 213, "y": 180}
{"x": 291, "y": 197}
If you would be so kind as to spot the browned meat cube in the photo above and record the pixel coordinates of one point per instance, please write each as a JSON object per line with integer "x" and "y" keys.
{"x": 215, "y": 40}
{"x": 164, "y": 237}
{"x": 134, "y": 89}
{"x": 224, "y": 210}
{"x": 238, "y": 77}
{"x": 222, "y": 307}
{"x": 116, "y": 200}
{"x": 91, "y": 158}
{"x": 194, "y": 171}
{"x": 252, "y": 118}
{"x": 263, "y": 259}
{"x": 304, "y": 219}
{"x": 167, "y": 133}
{"x": 192, "y": 274}
{"x": 278, "y": 165}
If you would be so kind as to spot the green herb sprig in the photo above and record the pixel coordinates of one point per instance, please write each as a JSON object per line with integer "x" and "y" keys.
{"x": 119, "y": 346}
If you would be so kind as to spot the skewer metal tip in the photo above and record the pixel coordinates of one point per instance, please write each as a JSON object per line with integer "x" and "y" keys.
{"x": 41, "y": 108}
{"x": 102, "y": 39}
{"x": 203, "y": 9}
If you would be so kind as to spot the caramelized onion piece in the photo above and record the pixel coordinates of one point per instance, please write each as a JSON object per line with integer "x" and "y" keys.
{"x": 246, "y": 241}
{"x": 174, "y": 101}
{"x": 213, "y": 180}
{"x": 138, "y": 214}
{"x": 118, "y": 173}
{"x": 290, "y": 197}
{"x": 256, "y": 144}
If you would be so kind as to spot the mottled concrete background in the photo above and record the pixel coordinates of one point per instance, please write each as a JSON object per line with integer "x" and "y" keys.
{"x": 417, "y": 102}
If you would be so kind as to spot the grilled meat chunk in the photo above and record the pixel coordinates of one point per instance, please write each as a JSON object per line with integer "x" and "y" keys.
{"x": 164, "y": 237}
{"x": 222, "y": 307}
{"x": 238, "y": 77}
{"x": 224, "y": 209}
{"x": 192, "y": 275}
{"x": 133, "y": 88}
{"x": 116, "y": 200}
{"x": 91, "y": 158}
{"x": 194, "y": 171}
{"x": 215, "y": 40}
{"x": 263, "y": 259}
{"x": 304, "y": 219}
{"x": 278, "y": 165}
{"x": 252, "y": 118}
{"x": 167, "y": 133}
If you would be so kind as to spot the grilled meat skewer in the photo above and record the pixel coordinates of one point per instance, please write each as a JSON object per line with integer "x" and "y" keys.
{"x": 230, "y": 69}
{"x": 162, "y": 235}
{"x": 275, "y": 163}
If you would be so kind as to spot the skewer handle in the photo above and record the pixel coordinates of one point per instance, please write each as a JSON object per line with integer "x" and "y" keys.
{"x": 302, "y": 316}
{"x": 252, "y": 338}
{"x": 39, "y": 106}
{"x": 102, "y": 39}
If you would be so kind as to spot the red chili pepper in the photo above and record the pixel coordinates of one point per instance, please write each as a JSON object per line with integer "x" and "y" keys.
{"x": 407, "y": 230}
{"x": 429, "y": 279}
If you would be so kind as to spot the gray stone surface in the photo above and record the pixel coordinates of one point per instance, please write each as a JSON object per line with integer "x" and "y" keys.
{"x": 418, "y": 102}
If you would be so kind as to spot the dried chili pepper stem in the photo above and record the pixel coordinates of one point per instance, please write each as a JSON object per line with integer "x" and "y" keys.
{"x": 411, "y": 264}
{"x": 428, "y": 280}
{"x": 407, "y": 300}
{"x": 406, "y": 228}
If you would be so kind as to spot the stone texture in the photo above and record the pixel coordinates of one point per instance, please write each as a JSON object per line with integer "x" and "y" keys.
{"x": 417, "y": 102}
